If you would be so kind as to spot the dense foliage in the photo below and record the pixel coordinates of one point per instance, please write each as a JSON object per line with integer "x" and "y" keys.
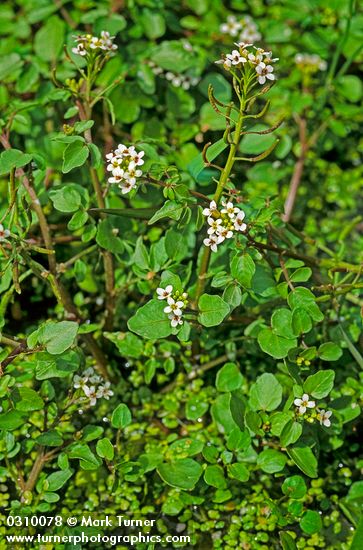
{"x": 180, "y": 255}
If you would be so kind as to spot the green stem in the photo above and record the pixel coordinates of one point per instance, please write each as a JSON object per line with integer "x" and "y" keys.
{"x": 217, "y": 195}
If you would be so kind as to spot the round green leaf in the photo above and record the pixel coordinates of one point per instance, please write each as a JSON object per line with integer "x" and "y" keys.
{"x": 311, "y": 522}
{"x": 212, "y": 310}
{"x": 121, "y": 416}
{"x": 271, "y": 461}
{"x": 182, "y": 474}
{"x": 320, "y": 384}
{"x": 265, "y": 393}
{"x": 229, "y": 378}
{"x": 150, "y": 321}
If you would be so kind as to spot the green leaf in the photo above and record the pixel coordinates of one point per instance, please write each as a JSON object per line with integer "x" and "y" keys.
{"x": 350, "y": 87}
{"x": 26, "y": 399}
{"x": 121, "y": 416}
{"x": 330, "y": 352}
{"x": 212, "y": 310}
{"x": 275, "y": 345}
{"x": 170, "y": 209}
{"x": 107, "y": 238}
{"x": 49, "y": 39}
{"x": 287, "y": 542}
{"x": 56, "y": 480}
{"x": 153, "y": 23}
{"x": 265, "y": 393}
{"x": 50, "y": 439}
{"x": 13, "y": 158}
{"x": 58, "y": 337}
{"x": 301, "y": 321}
{"x": 11, "y": 420}
{"x": 229, "y": 378}
{"x": 281, "y": 322}
{"x": 183, "y": 474}
{"x": 214, "y": 476}
{"x": 238, "y": 440}
{"x": 294, "y": 487}
{"x": 51, "y": 366}
{"x": 311, "y": 522}
{"x": 104, "y": 449}
{"x": 87, "y": 460}
{"x": 195, "y": 408}
{"x": 290, "y": 433}
{"x": 75, "y": 155}
{"x": 150, "y": 321}
{"x": 66, "y": 199}
{"x": 301, "y": 275}
{"x": 238, "y": 471}
{"x": 196, "y": 166}
{"x": 304, "y": 459}
{"x": 221, "y": 413}
{"x": 271, "y": 461}
{"x": 320, "y": 384}
{"x": 243, "y": 269}
{"x": 358, "y": 536}
{"x": 303, "y": 298}
{"x": 127, "y": 344}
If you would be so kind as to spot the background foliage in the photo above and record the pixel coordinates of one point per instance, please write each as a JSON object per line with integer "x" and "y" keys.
{"x": 201, "y": 432}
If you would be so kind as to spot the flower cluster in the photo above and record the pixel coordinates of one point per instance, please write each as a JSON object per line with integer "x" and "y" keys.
{"x": 87, "y": 44}
{"x": 177, "y": 80}
{"x": 248, "y": 56}
{"x": 245, "y": 28}
{"x": 223, "y": 224}
{"x": 91, "y": 384}
{"x": 304, "y": 403}
{"x": 4, "y": 233}
{"x": 124, "y": 165}
{"x": 176, "y": 300}
{"x": 311, "y": 63}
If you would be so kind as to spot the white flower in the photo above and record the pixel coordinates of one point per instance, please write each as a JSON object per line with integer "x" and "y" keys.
{"x": 95, "y": 379}
{"x": 238, "y": 221}
{"x": 236, "y": 58}
{"x": 89, "y": 372}
{"x": 106, "y": 41}
{"x": 126, "y": 186}
{"x": 175, "y": 320}
{"x": 4, "y": 233}
{"x": 324, "y": 417}
{"x": 231, "y": 27}
{"x": 132, "y": 173}
{"x": 224, "y": 232}
{"x": 213, "y": 241}
{"x": 177, "y": 80}
{"x": 214, "y": 224}
{"x": 304, "y": 403}
{"x": 104, "y": 391}
{"x": 125, "y": 151}
{"x": 117, "y": 175}
{"x": 243, "y": 45}
{"x": 230, "y": 209}
{"x": 174, "y": 307}
{"x": 169, "y": 75}
{"x": 79, "y": 50}
{"x": 137, "y": 158}
{"x": 312, "y": 62}
{"x": 164, "y": 293}
{"x": 264, "y": 71}
{"x": 212, "y": 208}
{"x": 79, "y": 381}
{"x": 95, "y": 42}
{"x": 91, "y": 393}
{"x": 115, "y": 162}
